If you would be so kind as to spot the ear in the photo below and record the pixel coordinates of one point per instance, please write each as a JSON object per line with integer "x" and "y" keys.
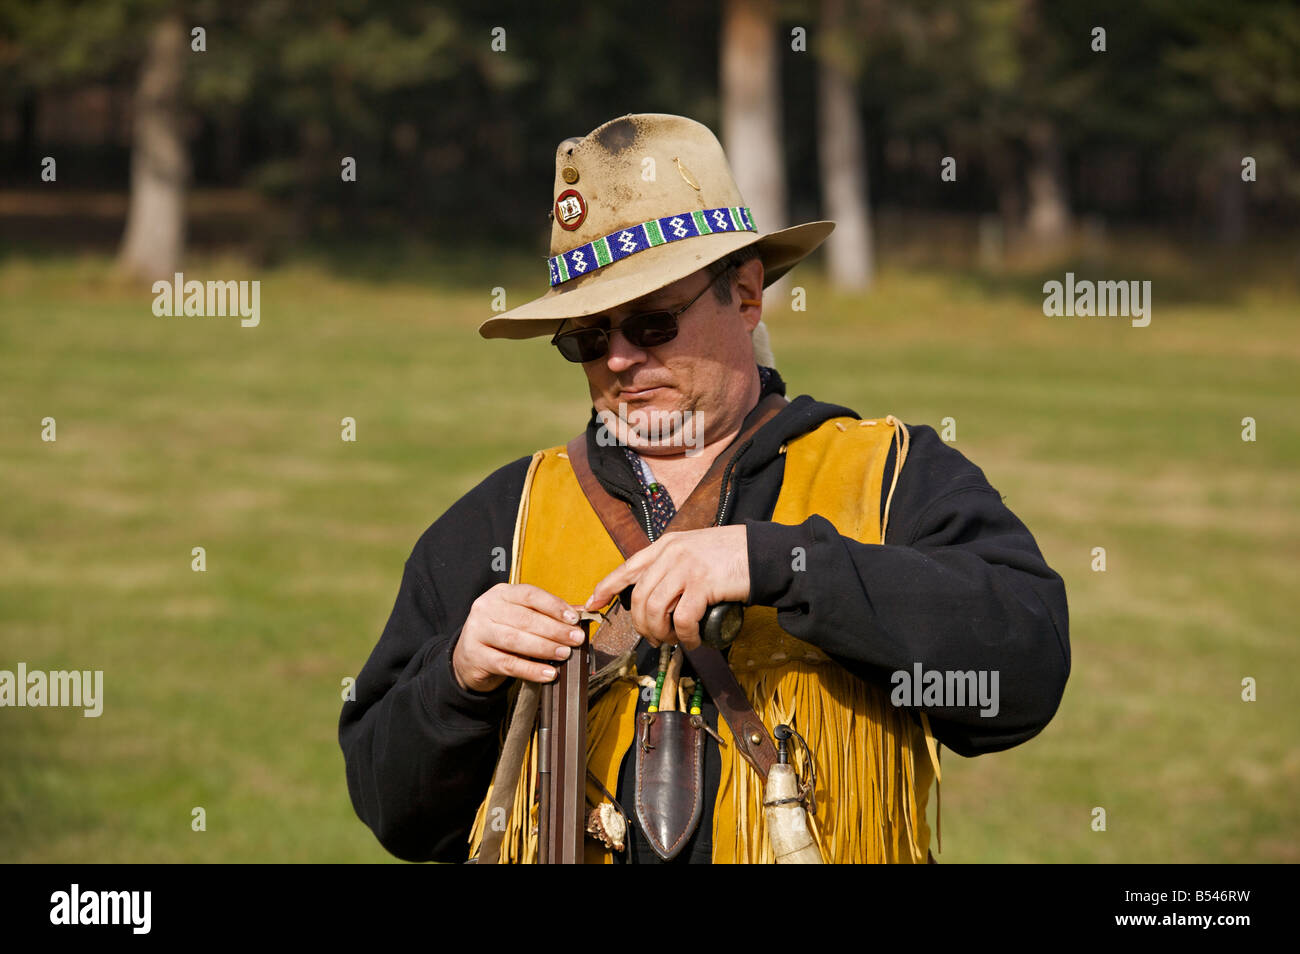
{"x": 749, "y": 285}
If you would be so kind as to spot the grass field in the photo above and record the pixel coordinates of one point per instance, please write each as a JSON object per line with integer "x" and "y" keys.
{"x": 222, "y": 687}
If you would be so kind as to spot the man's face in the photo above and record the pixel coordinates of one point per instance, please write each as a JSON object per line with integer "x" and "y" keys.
{"x": 674, "y": 398}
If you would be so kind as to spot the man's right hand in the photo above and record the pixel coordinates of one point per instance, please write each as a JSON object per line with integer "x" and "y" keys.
{"x": 510, "y": 628}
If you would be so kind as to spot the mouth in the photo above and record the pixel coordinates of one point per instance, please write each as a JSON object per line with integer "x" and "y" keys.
{"x": 640, "y": 394}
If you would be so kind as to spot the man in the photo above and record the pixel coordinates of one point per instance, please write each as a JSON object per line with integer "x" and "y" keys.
{"x": 864, "y": 551}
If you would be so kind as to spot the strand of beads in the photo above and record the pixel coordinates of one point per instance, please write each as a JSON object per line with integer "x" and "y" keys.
{"x": 697, "y": 697}
{"x": 665, "y": 652}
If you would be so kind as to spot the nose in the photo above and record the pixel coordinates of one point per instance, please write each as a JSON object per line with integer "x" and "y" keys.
{"x": 622, "y": 353}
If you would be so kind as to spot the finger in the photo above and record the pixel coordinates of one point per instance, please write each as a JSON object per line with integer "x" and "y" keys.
{"x": 534, "y": 597}
{"x": 653, "y": 601}
{"x": 529, "y": 620}
{"x": 622, "y": 576}
{"x": 686, "y": 617}
{"x": 507, "y": 665}
{"x": 653, "y": 618}
{"x": 610, "y": 586}
{"x": 517, "y": 642}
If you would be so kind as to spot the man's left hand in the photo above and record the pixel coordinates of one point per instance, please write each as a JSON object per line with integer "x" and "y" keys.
{"x": 677, "y": 578}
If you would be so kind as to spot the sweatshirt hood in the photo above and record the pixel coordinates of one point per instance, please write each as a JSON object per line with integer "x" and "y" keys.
{"x": 800, "y": 416}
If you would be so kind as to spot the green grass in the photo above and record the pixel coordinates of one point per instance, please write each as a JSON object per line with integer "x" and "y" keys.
{"x": 222, "y": 688}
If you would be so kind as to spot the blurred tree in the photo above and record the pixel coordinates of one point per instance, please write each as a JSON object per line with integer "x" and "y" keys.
{"x": 452, "y": 110}
{"x": 58, "y": 44}
{"x": 841, "y": 149}
{"x": 336, "y": 79}
{"x": 998, "y": 83}
{"x": 1231, "y": 89}
{"x": 155, "y": 221}
{"x": 1041, "y": 106}
{"x": 751, "y": 107}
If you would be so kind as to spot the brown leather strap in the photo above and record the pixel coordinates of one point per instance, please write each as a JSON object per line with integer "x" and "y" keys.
{"x": 613, "y": 513}
{"x": 615, "y": 638}
{"x": 753, "y": 741}
{"x": 616, "y": 635}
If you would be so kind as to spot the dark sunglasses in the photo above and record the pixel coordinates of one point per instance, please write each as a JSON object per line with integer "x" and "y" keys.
{"x": 648, "y": 330}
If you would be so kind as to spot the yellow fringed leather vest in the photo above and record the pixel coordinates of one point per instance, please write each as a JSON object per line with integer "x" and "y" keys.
{"x": 875, "y": 764}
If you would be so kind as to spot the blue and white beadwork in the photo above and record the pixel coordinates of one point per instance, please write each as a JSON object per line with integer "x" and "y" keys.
{"x": 670, "y": 228}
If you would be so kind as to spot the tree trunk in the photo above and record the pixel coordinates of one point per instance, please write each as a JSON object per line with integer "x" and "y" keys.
{"x": 1048, "y": 218}
{"x": 751, "y": 124}
{"x": 843, "y": 160}
{"x": 1230, "y": 198}
{"x": 751, "y": 108}
{"x": 155, "y": 221}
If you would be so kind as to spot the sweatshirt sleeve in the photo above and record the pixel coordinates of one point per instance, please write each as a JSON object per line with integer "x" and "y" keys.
{"x": 420, "y": 750}
{"x": 959, "y": 585}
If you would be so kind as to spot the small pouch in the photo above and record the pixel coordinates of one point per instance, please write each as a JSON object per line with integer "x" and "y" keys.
{"x": 669, "y": 780}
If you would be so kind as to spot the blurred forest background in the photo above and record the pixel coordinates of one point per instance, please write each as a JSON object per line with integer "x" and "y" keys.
{"x": 838, "y": 108}
{"x": 210, "y": 137}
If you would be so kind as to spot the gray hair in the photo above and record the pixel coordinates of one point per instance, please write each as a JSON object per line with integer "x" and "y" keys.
{"x": 726, "y": 268}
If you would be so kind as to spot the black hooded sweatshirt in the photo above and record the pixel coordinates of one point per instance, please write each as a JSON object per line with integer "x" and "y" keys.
{"x": 958, "y": 585}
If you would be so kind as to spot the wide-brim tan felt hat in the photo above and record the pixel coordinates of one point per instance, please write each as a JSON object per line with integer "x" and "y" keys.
{"x": 639, "y": 203}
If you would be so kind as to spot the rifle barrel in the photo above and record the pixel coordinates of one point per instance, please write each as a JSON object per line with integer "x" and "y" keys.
{"x": 562, "y": 761}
